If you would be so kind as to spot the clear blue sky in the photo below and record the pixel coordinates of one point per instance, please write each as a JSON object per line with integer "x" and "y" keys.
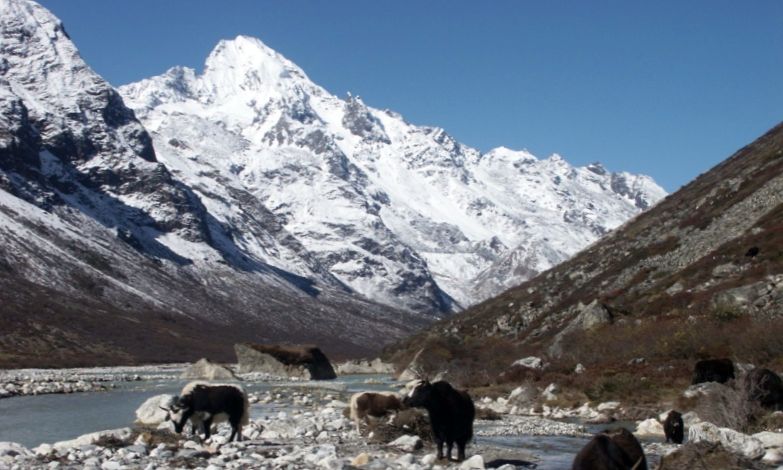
{"x": 666, "y": 88}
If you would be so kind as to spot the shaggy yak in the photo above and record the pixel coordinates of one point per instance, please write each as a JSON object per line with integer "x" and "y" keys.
{"x": 205, "y": 404}
{"x": 451, "y": 414}
{"x": 611, "y": 450}
{"x": 713, "y": 370}
{"x": 375, "y": 404}
{"x": 673, "y": 428}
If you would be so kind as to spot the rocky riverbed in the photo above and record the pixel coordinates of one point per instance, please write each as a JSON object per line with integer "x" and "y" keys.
{"x": 295, "y": 424}
{"x": 24, "y": 382}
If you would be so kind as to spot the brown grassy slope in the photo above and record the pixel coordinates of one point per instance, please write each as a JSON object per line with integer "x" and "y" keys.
{"x": 657, "y": 277}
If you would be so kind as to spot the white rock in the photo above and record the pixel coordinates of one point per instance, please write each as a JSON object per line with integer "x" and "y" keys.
{"x": 770, "y": 439}
{"x": 550, "y": 392}
{"x": 579, "y": 369}
{"x": 773, "y": 457}
{"x": 93, "y": 437}
{"x": 43, "y": 449}
{"x": 405, "y": 460}
{"x": 13, "y": 449}
{"x": 475, "y": 462}
{"x": 609, "y": 406}
{"x": 649, "y": 427}
{"x": 734, "y": 441}
{"x": 149, "y": 412}
{"x": 531, "y": 362}
{"x": 429, "y": 459}
{"x": 407, "y": 443}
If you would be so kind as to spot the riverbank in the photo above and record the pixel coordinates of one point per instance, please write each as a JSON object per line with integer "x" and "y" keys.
{"x": 294, "y": 424}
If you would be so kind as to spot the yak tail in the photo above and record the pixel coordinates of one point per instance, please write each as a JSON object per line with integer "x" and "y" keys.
{"x": 246, "y": 411}
{"x": 354, "y": 405}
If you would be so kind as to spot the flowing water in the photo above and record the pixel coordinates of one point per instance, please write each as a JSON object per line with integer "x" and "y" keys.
{"x": 33, "y": 420}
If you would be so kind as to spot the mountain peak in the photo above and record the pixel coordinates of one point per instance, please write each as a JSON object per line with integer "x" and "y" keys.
{"x": 247, "y": 64}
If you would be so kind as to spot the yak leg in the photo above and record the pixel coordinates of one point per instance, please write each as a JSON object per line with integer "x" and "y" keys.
{"x": 439, "y": 442}
{"x": 461, "y": 451}
{"x": 236, "y": 428}
{"x": 449, "y": 446}
{"x": 207, "y": 427}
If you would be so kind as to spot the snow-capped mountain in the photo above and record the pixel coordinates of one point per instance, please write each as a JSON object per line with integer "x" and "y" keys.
{"x": 400, "y": 213}
{"x": 107, "y": 256}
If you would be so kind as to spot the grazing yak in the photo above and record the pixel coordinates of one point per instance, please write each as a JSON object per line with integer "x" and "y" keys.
{"x": 611, "y": 450}
{"x": 764, "y": 387}
{"x": 713, "y": 370}
{"x": 374, "y": 404}
{"x": 451, "y": 414}
{"x": 205, "y": 404}
{"x": 673, "y": 427}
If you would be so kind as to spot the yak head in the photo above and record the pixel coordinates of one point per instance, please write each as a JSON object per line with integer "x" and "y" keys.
{"x": 177, "y": 412}
{"x": 420, "y": 394}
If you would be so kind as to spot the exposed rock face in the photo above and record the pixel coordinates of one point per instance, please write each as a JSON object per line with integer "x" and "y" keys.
{"x": 306, "y": 362}
{"x": 208, "y": 370}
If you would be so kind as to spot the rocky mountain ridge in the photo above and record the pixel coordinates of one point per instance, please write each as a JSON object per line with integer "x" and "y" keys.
{"x": 403, "y": 214}
{"x": 103, "y": 249}
{"x": 699, "y": 275}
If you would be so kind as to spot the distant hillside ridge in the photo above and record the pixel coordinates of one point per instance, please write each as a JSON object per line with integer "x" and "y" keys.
{"x": 698, "y": 275}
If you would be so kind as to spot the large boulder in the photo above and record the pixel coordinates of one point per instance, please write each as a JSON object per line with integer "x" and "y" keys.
{"x": 732, "y": 440}
{"x": 204, "y": 369}
{"x": 301, "y": 361}
{"x": 150, "y": 412}
{"x": 717, "y": 403}
{"x": 649, "y": 427}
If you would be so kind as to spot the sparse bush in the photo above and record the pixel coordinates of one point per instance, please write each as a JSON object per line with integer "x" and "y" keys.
{"x": 725, "y": 312}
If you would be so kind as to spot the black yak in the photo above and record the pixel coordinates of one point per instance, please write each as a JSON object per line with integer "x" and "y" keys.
{"x": 611, "y": 450}
{"x": 204, "y": 404}
{"x": 713, "y": 370}
{"x": 451, "y": 414}
{"x": 673, "y": 428}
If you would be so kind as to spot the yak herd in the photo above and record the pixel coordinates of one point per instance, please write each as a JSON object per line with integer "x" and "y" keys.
{"x": 452, "y": 412}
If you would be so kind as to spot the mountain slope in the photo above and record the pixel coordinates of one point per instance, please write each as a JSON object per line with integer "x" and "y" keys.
{"x": 403, "y": 214}
{"x": 107, "y": 257}
{"x": 698, "y": 275}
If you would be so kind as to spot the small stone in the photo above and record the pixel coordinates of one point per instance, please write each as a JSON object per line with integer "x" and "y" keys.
{"x": 429, "y": 459}
{"x": 475, "y": 462}
{"x": 361, "y": 459}
{"x": 405, "y": 460}
{"x": 407, "y": 443}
